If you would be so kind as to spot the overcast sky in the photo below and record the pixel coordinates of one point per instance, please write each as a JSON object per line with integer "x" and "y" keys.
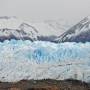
{"x": 38, "y": 10}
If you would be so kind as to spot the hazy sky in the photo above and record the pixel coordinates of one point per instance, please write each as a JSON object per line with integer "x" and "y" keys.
{"x": 38, "y": 10}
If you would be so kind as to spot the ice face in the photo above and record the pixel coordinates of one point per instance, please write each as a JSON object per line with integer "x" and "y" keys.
{"x": 41, "y": 52}
{"x": 42, "y": 60}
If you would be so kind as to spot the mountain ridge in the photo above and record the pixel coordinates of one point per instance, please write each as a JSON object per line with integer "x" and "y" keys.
{"x": 13, "y": 28}
{"x": 78, "y": 33}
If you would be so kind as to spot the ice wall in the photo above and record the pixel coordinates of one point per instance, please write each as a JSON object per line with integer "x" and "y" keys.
{"x": 43, "y": 52}
{"x": 42, "y": 60}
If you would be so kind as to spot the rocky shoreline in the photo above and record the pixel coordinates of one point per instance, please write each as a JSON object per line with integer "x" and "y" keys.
{"x": 48, "y": 84}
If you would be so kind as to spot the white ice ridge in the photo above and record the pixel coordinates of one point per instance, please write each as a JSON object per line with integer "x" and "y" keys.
{"x": 42, "y": 60}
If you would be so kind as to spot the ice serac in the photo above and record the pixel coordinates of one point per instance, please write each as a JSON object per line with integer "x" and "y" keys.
{"x": 14, "y": 28}
{"x": 78, "y": 33}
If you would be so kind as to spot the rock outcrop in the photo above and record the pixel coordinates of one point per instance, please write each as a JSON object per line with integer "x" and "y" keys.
{"x": 45, "y": 85}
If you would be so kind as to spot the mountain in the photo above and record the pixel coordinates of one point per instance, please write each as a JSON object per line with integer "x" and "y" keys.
{"x": 13, "y": 28}
{"x": 78, "y": 33}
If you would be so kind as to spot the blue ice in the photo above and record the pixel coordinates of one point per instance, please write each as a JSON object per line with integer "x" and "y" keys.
{"x": 43, "y": 52}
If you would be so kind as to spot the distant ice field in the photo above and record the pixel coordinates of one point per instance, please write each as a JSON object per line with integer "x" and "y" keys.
{"x": 42, "y": 60}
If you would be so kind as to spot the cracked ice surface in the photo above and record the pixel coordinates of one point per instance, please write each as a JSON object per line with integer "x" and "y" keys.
{"x": 42, "y": 60}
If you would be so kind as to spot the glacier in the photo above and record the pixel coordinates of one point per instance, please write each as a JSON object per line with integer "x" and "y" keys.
{"x": 42, "y": 60}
